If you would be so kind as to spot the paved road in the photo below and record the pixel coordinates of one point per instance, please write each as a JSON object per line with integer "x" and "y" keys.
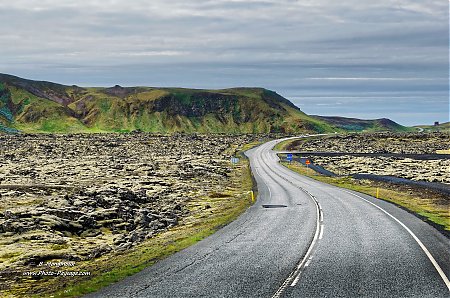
{"x": 325, "y": 242}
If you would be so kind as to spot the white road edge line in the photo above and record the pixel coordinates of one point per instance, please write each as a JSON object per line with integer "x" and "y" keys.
{"x": 297, "y": 272}
{"x": 429, "y": 255}
{"x": 320, "y": 212}
{"x": 295, "y": 276}
{"x": 321, "y": 232}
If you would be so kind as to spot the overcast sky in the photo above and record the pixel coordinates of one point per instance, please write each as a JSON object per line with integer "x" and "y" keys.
{"x": 354, "y": 58}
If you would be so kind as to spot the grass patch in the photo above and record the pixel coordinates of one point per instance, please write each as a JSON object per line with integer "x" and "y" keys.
{"x": 10, "y": 255}
{"x": 219, "y": 195}
{"x": 281, "y": 146}
{"x": 286, "y": 145}
{"x": 59, "y": 246}
{"x": 430, "y": 206}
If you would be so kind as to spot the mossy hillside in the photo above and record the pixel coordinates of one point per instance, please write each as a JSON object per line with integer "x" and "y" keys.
{"x": 35, "y": 114}
{"x": 49, "y": 107}
{"x": 194, "y": 112}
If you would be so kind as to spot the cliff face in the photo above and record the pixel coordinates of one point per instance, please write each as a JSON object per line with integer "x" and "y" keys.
{"x": 35, "y": 106}
{"x": 197, "y": 104}
{"x": 6, "y": 105}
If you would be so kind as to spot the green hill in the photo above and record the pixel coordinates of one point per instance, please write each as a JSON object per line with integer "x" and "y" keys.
{"x": 36, "y": 106}
{"x": 353, "y": 124}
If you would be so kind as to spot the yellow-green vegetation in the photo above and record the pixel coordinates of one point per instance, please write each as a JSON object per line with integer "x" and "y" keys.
{"x": 208, "y": 213}
{"x": 59, "y": 246}
{"x": 284, "y": 145}
{"x": 8, "y": 255}
{"x": 431, "y": 206}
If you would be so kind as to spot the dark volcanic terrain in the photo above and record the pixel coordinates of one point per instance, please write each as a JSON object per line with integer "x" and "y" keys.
{"x": 79, "y": 197}
{"x": 381, "y": 142}
{"x": 414, "y": 154}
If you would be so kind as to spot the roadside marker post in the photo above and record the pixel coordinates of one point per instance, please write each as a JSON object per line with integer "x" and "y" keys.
{"x": 307, "y": 162}
{"x": 378, "y": 192}
{"x": 253, "y": 196}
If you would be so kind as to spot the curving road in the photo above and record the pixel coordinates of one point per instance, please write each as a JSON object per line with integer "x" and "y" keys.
{"x": 303, "y": 238}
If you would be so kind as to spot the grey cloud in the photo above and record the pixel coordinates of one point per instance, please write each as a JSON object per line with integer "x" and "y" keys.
{"x": 218, "y": 43}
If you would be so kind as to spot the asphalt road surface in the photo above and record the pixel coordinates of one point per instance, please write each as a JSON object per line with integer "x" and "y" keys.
{"x": 303, "y": 238}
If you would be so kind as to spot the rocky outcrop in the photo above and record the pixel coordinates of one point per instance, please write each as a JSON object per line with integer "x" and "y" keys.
{"x": 197, "y": 104}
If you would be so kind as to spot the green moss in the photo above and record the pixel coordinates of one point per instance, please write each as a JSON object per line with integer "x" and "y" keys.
{"x": 59, "y": 246}
{"x": 9, "y": 255}
{"x": 105, "y": 105}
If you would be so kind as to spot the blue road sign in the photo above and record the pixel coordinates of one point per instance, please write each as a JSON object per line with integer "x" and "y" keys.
{"x": 234, "y": 160}
{"x": 289, "y": 157}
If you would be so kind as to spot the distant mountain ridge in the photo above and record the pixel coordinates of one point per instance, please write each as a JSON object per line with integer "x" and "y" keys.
{"x": 353, "y": 124}
{"x": 39, "y": 106}
{"x": 444, "y": 127}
